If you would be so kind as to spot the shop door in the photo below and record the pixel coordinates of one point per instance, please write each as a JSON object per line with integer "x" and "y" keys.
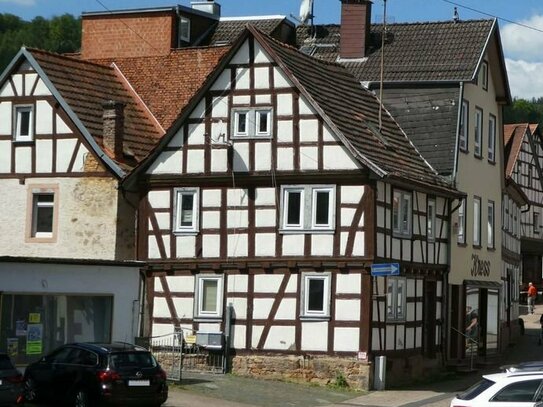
{"x": 430, "y": 318}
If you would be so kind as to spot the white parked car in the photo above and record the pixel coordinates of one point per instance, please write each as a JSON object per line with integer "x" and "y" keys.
{"x": 506, "y": 389}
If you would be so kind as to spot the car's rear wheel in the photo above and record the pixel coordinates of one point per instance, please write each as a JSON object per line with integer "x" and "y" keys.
{"x": 30, "y": 390}
{"x": 81, "y": 399}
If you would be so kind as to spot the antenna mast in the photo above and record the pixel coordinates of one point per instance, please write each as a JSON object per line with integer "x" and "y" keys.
{"x": 383, "y": 35}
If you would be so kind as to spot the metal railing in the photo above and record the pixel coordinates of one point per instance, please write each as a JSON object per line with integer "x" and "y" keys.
{"x": 473, "y": 345}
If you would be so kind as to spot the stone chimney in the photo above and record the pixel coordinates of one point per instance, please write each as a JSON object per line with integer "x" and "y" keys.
{"x": 209, "y": 6}
{"x": 355, "y": 28}
{"x": 113, "y": 133}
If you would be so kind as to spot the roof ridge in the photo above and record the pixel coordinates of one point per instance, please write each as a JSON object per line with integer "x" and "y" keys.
{"x": 173, "y": 52}
{"x": 427, "y": 22}
{"x": 65, "y": 57}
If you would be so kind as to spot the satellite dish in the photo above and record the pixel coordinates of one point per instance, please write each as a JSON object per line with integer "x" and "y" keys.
{"x": 306, "y": 9}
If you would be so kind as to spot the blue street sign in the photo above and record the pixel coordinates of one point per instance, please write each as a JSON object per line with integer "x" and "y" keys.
{"x": 385, "y": 269}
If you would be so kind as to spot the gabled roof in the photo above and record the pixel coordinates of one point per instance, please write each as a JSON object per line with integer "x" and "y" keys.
{"x": 85, "y": 86}
{"x": 166, "y": 83}
{"x": 513, "y": 136}
{"x": 430, "y": 51}
{"x": 350, "y": 111}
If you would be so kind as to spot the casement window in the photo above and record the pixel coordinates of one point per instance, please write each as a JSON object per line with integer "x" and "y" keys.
{"x": 478, "y": 138}
{"x": 431, "y": 219}
{"x": 401, "y": 213}
{"x": 464, "y": 126}
{"x": 490, "y": 225}
{"x": 396, "y": 299}
{"x": 484, "y": 75}
{"x": 186, "y": 215}
{"x": 308, "y": 208}
{"x": 24, "y": 123}
{"x": 492, "y": 138}
{"x": 461, "y": 236}
{"x": 315, "y": 302}
{"x": 208, "y": 296}
{"x": 184, "y": 30}
{"x": 536, "y": 223}
{"x": 252, "y": 123}
{"x": 43, "y": 210}
{"x": 477, "y": 221}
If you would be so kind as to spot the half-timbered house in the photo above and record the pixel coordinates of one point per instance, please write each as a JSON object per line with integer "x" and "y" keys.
{"x": 523, "y": 143}
{"x": 70, "y": 131}
{"x": 445, "y": 83}
{"x": 273, "y": 193}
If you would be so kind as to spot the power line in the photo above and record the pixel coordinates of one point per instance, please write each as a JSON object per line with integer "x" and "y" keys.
{"x": 492, "y": 15}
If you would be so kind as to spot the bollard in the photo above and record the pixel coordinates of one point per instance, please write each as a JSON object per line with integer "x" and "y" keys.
{"x": 379, "y": 374}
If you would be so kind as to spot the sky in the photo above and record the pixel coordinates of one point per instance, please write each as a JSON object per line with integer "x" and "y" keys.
{"x": 520, "y": 21}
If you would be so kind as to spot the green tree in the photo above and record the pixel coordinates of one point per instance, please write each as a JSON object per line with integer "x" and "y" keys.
{"x": 60, "y": 34}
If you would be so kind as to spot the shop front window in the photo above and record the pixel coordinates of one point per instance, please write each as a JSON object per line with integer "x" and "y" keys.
{"x": 33, "y": 325}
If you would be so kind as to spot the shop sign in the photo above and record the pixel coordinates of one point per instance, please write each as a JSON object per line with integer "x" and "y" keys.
{"x": 479, "y": 268}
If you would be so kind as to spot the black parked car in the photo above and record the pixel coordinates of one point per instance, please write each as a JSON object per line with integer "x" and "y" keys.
{"x": 11, "y": 382}
{"x": 96, "y": 374}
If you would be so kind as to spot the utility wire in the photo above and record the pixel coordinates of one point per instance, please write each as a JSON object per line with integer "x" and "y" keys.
{"x": 492, "y": 15}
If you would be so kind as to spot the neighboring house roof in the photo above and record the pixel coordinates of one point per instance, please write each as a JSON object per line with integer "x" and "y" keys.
{"x": 429, "y": 116}
{"x": 85, "y": 86}
{"x": 414, "y": 52}
{"x": 229, "y": 29}
{"x": 166, "y": 83}
{"x": 350, "y": 110}
{"x": 513, "y": 136}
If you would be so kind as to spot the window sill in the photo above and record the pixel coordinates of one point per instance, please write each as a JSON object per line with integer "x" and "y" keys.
{"x": 465, "y": 151}
{"x": 309, "y": 318}
{"x": 201, "y": 318}
{"x": 185, "y": 232}
{"x": 252, "y": 137}
{"x": 492, "y": 162}
{"x": 23, "y": 142}
{"x": 401, "y": 236}
{"x": 491, "y": 249}
{"x": 461, "y": 244}
{"x": 478, "y": 156}
{"x": 477, "y": 247}
{"x": 307, "y": 231}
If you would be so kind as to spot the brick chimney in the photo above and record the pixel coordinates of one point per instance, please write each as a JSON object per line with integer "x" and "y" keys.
{"x": 355, "y": 28}
{"x": 209, "y": 6}
{"x": 113, "y": 133}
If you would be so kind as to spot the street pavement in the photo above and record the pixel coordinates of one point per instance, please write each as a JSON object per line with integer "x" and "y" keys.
{"x": 232, "y": 391}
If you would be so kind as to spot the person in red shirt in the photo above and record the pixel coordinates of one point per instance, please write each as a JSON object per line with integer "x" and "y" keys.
{"x": 532, "y": 293}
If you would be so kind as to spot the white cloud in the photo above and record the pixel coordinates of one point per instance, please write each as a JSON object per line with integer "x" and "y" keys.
{"x": 20, "y": 2}
{"x": 525, "y": 79}
{"x": 523, "y": 43}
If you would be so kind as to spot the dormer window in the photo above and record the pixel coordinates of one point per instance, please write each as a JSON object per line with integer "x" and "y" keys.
{"x": 184, "y": 30}
{"x": 23, "y": 116}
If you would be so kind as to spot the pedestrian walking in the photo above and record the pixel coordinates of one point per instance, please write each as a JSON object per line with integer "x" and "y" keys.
{"x": 532, "y": 294}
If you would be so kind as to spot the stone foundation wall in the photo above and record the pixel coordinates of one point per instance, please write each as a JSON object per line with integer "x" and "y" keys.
{"x": 320, "y": 370}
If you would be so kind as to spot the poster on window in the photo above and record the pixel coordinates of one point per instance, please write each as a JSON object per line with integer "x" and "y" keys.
{"x": 20, "y": 327}
{"x": 13, "y": 346}
{"x": 34, "y": 318}
{"x": 34, "y": 339}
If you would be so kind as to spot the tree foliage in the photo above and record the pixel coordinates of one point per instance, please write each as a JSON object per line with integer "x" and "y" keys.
{"x": 59, "y": 34}
{"x": 524, "y": 111}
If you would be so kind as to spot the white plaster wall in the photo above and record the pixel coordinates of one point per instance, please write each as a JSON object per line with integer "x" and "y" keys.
{"x": 338, "y": 157}
{"x": 265, "y": 244}
{"x": 293, "y": 245}
{"x": 123, "y": 283}
{"x": 239, "y": 336}
{"x": 240, "y": 307}
{"x": 41, "y": 89}
{"x": 346, "y": 339}
{"x": 281, "y": 338}
{"x": 238, "y": 245}
{"x": 23, "y": 160}
{"x": 169, "y": 162}
{"x": 65, "y": 152}
{"x": 348, "y": 283}
{"x": 262, "y": 307}
{"x": 223, "y": 81}
{"x": 62, "y": 127}
{"x": 348, "y": 310}
{"x": 314, "y": 336}
{"x": 238, "y": 283}
{"x": 286, "y": 310}
{"x": 6, "y": 90}
{"x": 268, "y": 283}
{"x": 87, "y": 218}
{"x": 44, "y": 156}
{"x": 5, "y": 156}
{"x": 5, "y": 114}
{"x": 44, "y": 117}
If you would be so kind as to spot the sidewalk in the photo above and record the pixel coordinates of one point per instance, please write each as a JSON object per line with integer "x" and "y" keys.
{"x": 232, "y": 391}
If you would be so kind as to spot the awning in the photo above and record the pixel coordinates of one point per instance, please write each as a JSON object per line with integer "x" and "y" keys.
{"x": 483, "y": 284}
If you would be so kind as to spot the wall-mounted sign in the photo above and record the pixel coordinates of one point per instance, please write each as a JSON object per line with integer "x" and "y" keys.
{"x": 479, "y": 268}
{"x": 385, "y": 269}
{"x": 34, "y": 318}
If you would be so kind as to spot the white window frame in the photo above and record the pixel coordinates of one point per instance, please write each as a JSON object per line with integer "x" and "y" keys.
{"x": 305, "y": 312}
{"x": 252, "y": 122}
{"x": 536, "y": 223}
{"x": 184, "y": 22}
{"x": 463, "y": 137}
{"x": 431, "y": 219}
{"x": 477, "y": 221}
{"x": 307, "y": 209}
{"x": 314, "y": 224}
{"x": 179, "y": 193}
{"x": 36, "y": 206}
{"x": 399, "y": 228}
{"x": 199, "y": 297}
{"x": 18, "y": 110}
{"x": 396, "y": 299}
{"x": 484, "y": 75}
{"x": 478, "y": 137}
{"x": 461, "y": 235}
{"x": 492, "y": 138}
{"x": 491, "y": 221}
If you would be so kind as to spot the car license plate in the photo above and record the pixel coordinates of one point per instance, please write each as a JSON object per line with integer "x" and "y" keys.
{"x": 139, "y": 383}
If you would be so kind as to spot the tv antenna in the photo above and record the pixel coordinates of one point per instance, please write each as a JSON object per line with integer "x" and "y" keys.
{"x": 306, "y": 11}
